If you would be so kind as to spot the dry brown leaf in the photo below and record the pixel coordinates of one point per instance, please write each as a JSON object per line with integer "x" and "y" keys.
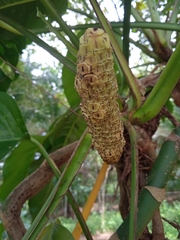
{"x": 157, "y": 193}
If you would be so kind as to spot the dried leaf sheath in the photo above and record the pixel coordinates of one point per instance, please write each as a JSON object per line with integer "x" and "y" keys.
{"x": 97, "y": 86}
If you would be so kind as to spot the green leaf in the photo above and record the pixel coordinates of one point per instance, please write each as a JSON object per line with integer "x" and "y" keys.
{"x": 12, "y": 126}
{"x": 60, "y": 188}
{"x": 1, "y": 230}
{"x": 26, "y": 13}
{"x": 66, "y": 129}
{"x": 16, "y": 167}
{"x": 5, "y": 81}
{"x": 10, "y": 49}
{"x": 36, "y": 202}
{"x": 68, "y": 78}
{"x": 55, "y": 231}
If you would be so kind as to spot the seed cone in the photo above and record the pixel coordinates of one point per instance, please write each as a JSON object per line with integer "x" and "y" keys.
{"x": 97, "y": 86}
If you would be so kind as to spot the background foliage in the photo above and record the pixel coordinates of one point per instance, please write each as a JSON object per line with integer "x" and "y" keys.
{"x": 48, "y": 102}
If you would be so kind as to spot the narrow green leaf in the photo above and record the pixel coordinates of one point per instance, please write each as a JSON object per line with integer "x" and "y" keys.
{"x": 55, "y": 231}
{"x": 12, "y": 126}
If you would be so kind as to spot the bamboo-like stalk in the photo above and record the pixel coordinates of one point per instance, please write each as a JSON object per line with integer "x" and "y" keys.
{"x": 134, "y": 181}
{"x": 162, "y": 170}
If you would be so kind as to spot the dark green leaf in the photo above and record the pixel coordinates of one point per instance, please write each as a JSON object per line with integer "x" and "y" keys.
{"x": 12, "y": 126}
{"x": 16, "y": 167}
{"x": 66, "y": 129}
{"x": 36, "y": 202}
{"x": 5, "y": 81}
{"x": 55, "y": 231}
{"x": 1, "y": 230}
{"x": 68, "y": 78}
{"x": 26, "y": 13}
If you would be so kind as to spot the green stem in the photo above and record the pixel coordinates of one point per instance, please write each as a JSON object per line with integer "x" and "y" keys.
{"x": 120, "y": 57}
{"x": 55, "y": 14}
{"x": 46, "y": 156}
{"x": 69, "y": 195}
{"x": 88, "y": 8}
{"x": 69, "y": 46}
{"x": 161, "y": 91}
{"x": 155, "y": 18}
{"x": 145, "y": 50}
{"x": 148, "y": 32}
{"x": 60, "y": 188}
{"x": 137, "y": 24}
{"x": 134, "y": 181}
{"x": 126, "y": 28}
{"x": 161, "y": 172}
{"x": 9, "y": 28}
{"x": 79, "y": 216}
{"x": 173, "y": 19}
{"x": 91, "y": 16}
{"x": 39, "y": 42}
{"x": 115, "y": 25}
{"x": 7, "y": 5}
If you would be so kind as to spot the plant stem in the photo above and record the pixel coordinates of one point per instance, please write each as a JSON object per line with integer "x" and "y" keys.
{"x": 126, "y": 28}
{"x": 161, "y": 172}
{"x": 147, "y": 32}
{"x": 54, "y": 13}
{"x": 46, "y": 156}
{"x": 60, "y": 188}
{"x": 39, "y": 42}
{"x": 137, "y": 24}
{"x": 155, "y": 18}
{"x": 173, "y": 19}
{"x": 59, "y": 35}
{"x": 161, "y": 91}
{"x": 134, "y": 181}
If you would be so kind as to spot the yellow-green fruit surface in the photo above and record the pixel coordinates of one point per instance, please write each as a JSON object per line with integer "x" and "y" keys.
{"x": 97, "y": 86}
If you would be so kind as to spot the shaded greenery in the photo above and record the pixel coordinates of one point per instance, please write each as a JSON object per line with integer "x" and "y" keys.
{"x": 49, "y": 102}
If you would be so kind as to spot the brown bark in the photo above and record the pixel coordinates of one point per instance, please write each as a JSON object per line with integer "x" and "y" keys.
{"x": 29, "y": 187}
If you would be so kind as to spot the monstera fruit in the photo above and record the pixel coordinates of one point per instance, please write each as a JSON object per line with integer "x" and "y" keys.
{"x": 97, "y": 86}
